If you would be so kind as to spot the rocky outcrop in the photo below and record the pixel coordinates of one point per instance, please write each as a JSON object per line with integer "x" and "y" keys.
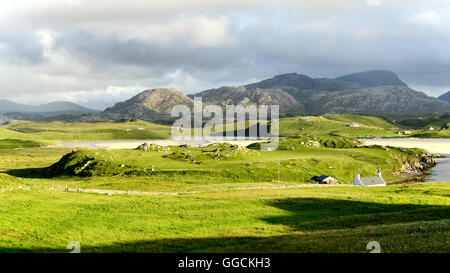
{"x": 229, "y": 95}
{"x": 418, "y": 167}
{"x": 152, "y": 105}
{"x": 153, "y": 147}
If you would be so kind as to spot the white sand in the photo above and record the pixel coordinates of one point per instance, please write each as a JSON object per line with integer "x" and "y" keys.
{"x": 132, "y": 144}
{"x": 437, "y": 145}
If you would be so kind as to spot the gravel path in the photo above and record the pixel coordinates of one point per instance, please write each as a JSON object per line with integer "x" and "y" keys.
{"x": 194, "y": 192}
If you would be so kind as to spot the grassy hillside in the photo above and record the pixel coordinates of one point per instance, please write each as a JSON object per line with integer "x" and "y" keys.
{"x": 425, "y": 121}
{"x": 337, "y": 125}
{"x": 61, "y": 131}
{"x": 410, "y": 218}
{"x": 433, "y": 134}
{"x": 210, "y": 168}
{"x": 361, "y": 120}
{"x": 18, "y": 143}
{"x": 7, "y": 180}
{"x": 6, "y": 133}
{"x": 325, "y": 126}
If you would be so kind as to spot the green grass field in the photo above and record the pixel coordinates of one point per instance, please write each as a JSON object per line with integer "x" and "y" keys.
{"x": 192, "y": 169}
{"x": 412, "y": 218}
{"x": 219, "y": 198}
{"x": 337, "y": 125}
{"x": 52, "y": 132}
{"x": 433, "y": 134}
{"x": 326, "y": 126}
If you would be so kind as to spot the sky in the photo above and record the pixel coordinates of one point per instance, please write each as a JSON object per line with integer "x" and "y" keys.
{"x": 99, "y": 52}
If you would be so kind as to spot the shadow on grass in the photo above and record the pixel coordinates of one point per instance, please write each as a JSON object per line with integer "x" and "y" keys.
{"x": 415, "y": 237}
{"x": 28, "y": 172}
{"x": 313, "y": 214}
{"x": 318, "y": 225}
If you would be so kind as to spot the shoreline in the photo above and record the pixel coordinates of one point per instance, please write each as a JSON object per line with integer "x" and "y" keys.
{"x": 419, "y": 178}
{"x": 439, "y": 146}
{"x": 432, "y": 145}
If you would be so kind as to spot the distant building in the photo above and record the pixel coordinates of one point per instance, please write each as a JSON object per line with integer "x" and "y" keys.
{"x": 324, "y": 179}
{"x": 353, "y": 125}
{"x": 371, "y": 181}
{"x": 431, "y": 129}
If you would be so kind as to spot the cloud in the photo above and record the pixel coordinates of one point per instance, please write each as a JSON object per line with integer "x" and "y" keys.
{"x": 99, "y": 52}
{"x": 429, "y": 17}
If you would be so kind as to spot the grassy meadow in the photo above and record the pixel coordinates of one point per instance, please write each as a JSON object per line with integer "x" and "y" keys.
{"x": 54, "y": 132}
{"x": 192, "y": 168}
{"x": 218, "y": 198}
{"x": 411, "y": 218}
{"x": 337, "y": 125}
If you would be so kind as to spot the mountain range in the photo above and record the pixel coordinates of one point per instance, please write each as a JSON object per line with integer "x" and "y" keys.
{"x": 445, "y": 97}
{"x": 13, "y": 110}
{"x": 376, "y": 92}
{"x": 371, "y": 92}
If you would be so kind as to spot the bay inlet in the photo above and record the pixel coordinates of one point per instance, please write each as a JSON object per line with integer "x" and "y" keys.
{"x": 440, "y": 173}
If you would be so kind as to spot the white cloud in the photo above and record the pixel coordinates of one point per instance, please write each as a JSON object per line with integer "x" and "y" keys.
{"x": 196, "y": 31}
{"x": 47, "y": 40}
{"x": 429, "y": 17}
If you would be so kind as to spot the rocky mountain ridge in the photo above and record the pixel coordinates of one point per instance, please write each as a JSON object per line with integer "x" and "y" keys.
{"x": 371, "y": 93}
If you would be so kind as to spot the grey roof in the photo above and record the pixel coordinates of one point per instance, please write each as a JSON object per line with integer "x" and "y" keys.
{"x": 372, "y": 180}
{"x": 322, "y": 177}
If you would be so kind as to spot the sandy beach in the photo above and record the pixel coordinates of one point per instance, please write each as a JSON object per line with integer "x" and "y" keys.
{"x": 132, "y": 144}
{"x": 439, "y": 146}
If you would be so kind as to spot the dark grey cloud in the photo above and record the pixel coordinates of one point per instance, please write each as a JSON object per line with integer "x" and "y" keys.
{"x": 20, "y": 48}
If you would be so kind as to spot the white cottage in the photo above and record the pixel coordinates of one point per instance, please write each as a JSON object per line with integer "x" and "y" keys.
{"x": 371, "y": 181}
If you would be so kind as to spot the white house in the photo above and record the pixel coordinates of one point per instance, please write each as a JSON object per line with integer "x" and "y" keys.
{"x": 371, "y": 181}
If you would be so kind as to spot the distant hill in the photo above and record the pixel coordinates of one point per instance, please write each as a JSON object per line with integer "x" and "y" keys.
{"x": 370, "y": 92}
{"x": 376, "y": 100}
{"x": 373, "y": 78}
{"x": 300, "y": 82}
{"x": 12, "y": 109}
{"x": 375, "y": 92}
{"x": 151, "y": 104}
{"x": 445, "y": 97}
{"x": 3, "y": 119}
